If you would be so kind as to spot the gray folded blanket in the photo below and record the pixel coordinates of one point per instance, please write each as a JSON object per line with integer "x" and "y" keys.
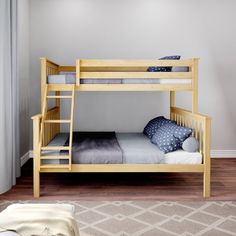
{"x": 95, "y": 148}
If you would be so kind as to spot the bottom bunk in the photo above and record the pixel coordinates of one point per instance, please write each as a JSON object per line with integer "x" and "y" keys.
{"x": 116, "y": 148}
{"x": 119, "y": 152}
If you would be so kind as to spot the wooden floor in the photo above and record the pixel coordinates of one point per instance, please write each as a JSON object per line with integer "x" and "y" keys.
{"x": 130, "y": 186}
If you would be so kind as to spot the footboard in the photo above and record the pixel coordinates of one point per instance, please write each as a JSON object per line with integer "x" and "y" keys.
{"x": 201, "y": 126}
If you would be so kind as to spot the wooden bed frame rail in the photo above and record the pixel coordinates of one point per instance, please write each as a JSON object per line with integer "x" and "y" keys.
{"x": 122, "y": 69}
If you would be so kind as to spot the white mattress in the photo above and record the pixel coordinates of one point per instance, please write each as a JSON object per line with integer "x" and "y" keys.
{"x": 70, "y": 78}
{"x": 136, "y": 149}
{"x": 182, "y": 157}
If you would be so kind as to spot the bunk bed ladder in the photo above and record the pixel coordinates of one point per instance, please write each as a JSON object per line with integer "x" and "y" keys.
{"x": 42, "y": 147}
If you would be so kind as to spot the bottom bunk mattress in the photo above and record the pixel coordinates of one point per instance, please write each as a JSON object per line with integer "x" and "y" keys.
{"x": 117, "y": 148}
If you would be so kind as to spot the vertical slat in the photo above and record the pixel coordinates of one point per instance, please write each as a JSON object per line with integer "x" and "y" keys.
{"x": 200, "y": 139}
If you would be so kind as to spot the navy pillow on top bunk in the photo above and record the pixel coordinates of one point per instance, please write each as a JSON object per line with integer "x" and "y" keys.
{"x": 170, "y": 137}
{"x": 163, "y": 68}
{"x": 154, "y": 124}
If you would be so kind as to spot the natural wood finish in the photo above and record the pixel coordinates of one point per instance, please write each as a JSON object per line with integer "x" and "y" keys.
{"x": 195, "y": 85}
{"x": 133, "y": 63}
{"x": 172, "y": 102}
{"x": 201, "y": 126}
{"x": 57, "y": 121}
{"x": 127, "y": 186}
{"x": 122, "y": 69}
{"x": 52, "y": 148}
{"x": 71, "y": 126}
{"x": 62, "y": 96}
{"x": 207, "y": 158}
{"x": 53, "y": 167}
{"x": 55, "y": 157}
{"x": 47, "y": 68}
{"x": 46, "y": 119}
{"x": 120, "y": 168}
{"x": 78, "y": 72}
{"x": 43, "y": 79}
{"x": 123, "y": 87}
{"x": 67, "y": 68}
{"x": 36, "y": 128}
{"x": 135, "y": 75}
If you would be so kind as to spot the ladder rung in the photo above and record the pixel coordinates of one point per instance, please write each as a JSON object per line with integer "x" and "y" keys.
{"x": 60, "y": 157}
{"x": 61, "y": 87}
{"x": 59, "y": 96}
{"x": 51, "y": 148}
{"x": 57, "y": 121}
{"x": 60, "y": 166}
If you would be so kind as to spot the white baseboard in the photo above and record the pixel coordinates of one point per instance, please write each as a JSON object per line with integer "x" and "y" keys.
{"x": 214, "y": 154}
{"x": 223, "y": 153}
{"x": 25, "y": 158}
{"x": 31, "y": 154}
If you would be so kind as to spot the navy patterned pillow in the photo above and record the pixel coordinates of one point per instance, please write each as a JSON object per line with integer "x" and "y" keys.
{"x": 163, "y": 68}
{"x": 170, "y": 137}
{"x": 154, "y": 124}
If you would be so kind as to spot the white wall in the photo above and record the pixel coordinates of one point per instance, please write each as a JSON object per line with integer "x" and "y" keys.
{"x": 141, "y": 29}
{"x": 23, "y": 70}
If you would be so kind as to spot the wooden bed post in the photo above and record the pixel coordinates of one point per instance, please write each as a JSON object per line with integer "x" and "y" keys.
{"x": 172, "y": 101}
{"x": 77, "y": 72}
{"x": 207, "y": 158}
{"x": 43, "y": 79}
{"x": 195, "y": 85}
{"x": 36, "y": 155}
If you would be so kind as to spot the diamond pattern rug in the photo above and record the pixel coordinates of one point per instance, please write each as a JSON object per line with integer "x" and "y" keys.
{"x": 152, "y": 218}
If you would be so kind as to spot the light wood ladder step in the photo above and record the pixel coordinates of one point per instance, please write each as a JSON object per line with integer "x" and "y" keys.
{"x": 59, "y": 157}
{"x": 61, "y": 87}
{"x": 52, "y": 148}
{"x": 57, "y": 96}
{"x": 59, "y": 166}
{"x": 57, "y": 121}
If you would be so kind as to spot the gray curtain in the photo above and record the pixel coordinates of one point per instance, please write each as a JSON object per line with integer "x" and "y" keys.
{"x": 9, "y": 106}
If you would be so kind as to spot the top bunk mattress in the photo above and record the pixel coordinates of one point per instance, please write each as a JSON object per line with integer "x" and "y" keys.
{"x": 118, "y": 148}
{"x": 70, "y": 78}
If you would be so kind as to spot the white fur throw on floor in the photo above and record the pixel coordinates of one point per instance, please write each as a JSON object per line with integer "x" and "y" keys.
{"x": 39, "y": 219}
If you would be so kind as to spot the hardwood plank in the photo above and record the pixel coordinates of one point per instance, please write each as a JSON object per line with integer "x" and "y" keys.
{"x": 128, "y": 186}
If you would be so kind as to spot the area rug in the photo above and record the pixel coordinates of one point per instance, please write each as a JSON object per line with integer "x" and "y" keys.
{"x": 152, "y": 218}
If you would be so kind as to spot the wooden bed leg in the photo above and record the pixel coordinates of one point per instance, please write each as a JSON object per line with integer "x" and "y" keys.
{"x": 206, "y": 183}
{"x": 36, "y": 183}
{"x": 36, "y": 178}
{"x": 207, "y": 158}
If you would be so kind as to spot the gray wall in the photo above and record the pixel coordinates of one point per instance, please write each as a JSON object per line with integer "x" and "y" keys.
{"x": 65, "y": 30}
{"x": 23, "y": 70}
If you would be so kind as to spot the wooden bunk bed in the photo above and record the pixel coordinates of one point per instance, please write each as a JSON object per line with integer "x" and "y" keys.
{"x": 47, "y": 124}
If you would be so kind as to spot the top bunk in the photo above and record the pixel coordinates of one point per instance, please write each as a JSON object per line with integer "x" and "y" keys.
{"x": 121, "y": 75}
